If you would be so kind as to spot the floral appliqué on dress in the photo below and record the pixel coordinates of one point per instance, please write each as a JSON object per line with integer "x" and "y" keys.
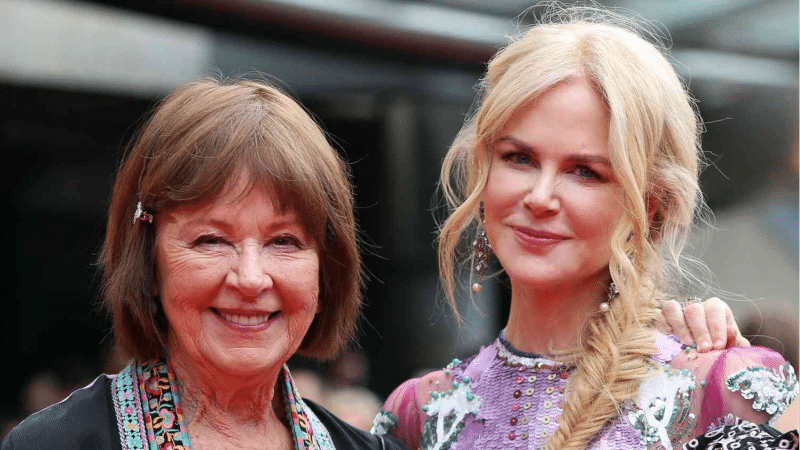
{"x": 662, "y": 409}
{"x": 772, "y": 390}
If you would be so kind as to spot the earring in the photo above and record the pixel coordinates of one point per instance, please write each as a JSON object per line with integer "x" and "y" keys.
{"x": 613, "y": 293}
{"x": 141, "y": 215}
{"x": 482, "y": 250}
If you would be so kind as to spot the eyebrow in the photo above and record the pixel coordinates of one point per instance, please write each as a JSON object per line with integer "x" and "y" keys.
{"x": 224, "y": 224}
{"x": 578, "y": 158}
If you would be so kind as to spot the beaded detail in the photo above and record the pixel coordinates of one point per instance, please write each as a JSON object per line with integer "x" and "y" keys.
{"x": 383, "y": 422}
{"x": 662, "y": 413}
{"x": 772, "y": 390}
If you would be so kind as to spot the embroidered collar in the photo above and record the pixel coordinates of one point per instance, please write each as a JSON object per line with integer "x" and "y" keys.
{"x": 517, "y": 358}
{"x": 150, "y": 417}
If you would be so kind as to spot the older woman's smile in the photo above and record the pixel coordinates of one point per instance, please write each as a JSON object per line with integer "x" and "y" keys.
{"x": 247, "y": 319}
{"x": 238, "y": 278}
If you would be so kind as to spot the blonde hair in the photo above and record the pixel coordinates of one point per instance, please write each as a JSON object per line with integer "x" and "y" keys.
{"x": 197, "y": 139}
{"x": 654, "y": 141}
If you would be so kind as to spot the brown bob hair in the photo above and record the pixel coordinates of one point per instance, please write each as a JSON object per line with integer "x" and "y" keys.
{"x": 198, "y": 138}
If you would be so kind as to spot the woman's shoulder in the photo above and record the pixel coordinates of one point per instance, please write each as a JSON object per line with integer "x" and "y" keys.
{"x": 83, "y": 420}
{"x": 347, "y": 436}
{"x": 752, "y": 383}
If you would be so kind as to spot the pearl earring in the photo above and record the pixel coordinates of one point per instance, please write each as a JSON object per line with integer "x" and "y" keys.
{"x": 613, "y": 293}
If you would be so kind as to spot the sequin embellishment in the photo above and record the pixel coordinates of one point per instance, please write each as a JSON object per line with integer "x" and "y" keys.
{"x": 772, "y": 390}
{"x": 383, "y": 422}
{"x": 447, "y": 412}
{"x": 662, "y": 413}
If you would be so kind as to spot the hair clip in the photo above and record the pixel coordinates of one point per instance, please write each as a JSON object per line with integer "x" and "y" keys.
{"x": 142, "y": 215}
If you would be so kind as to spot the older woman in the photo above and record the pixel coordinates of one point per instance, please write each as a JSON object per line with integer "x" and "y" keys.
{"x": 230, "y": 247}
{"x": 579, "y": 171}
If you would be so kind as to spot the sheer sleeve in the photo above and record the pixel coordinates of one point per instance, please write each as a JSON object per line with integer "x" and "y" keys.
{"x": 403, "y": 414}
{"x": 753, "y": 384}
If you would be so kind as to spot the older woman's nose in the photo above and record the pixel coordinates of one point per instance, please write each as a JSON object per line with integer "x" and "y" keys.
{"x": 542, "y": 197}
{"x": 250, "y": 275}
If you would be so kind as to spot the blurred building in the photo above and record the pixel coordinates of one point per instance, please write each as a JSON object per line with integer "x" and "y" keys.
{"x": 391, "y": 81}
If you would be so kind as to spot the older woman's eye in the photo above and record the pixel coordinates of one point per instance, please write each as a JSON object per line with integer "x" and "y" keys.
{"x": 209, "y": 239}
{"x": 286, "y": 240}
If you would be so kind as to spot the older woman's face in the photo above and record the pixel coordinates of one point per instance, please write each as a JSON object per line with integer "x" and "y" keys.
{"x": 552, "y": 202}
{"x": 238, "y": 281}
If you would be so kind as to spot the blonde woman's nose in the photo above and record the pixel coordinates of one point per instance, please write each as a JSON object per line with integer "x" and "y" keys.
{"x": 542, "y": 197}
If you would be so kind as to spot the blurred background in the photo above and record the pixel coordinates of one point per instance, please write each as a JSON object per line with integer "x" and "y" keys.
{"x": 391, "y": 81}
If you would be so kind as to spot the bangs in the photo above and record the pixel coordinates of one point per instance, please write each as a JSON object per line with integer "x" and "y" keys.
{"x": 242, "y": 140}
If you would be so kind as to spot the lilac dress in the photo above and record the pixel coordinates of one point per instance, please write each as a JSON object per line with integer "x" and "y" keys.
{"x": 503, "y": 398}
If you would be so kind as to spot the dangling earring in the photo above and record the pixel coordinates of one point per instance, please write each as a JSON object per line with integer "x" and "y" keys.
{"x": 482, "y": 250}
{"x": 613, "y": 293}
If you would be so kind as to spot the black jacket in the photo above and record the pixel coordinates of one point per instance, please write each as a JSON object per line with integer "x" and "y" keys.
{"x": 86, "y": 421}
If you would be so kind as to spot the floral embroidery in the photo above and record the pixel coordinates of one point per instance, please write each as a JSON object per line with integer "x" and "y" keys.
{"x": 772, "y": 390}
{"x": 164, "y": 418}
{"x": 150, "y": 387}
{"x": 308, "y": 431}
{"x": 383, "y": 422}
{"x": 447, "y": 412}
{"x": 663, "y": 414}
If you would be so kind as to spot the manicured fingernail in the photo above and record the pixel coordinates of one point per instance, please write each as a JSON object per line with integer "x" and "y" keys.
{"x": 704, "y": 346}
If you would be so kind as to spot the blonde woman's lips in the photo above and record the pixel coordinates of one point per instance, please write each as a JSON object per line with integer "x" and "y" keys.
{"x": 537, "y": 237}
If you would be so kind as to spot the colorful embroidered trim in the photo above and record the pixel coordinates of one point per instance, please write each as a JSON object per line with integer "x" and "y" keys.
{"x": 130, "y": 423}
{"x": 307, "y": 430}
{"x": 164, "y": 421}
{"x": 162, "y": 427}
{"x": 152, "y": 386}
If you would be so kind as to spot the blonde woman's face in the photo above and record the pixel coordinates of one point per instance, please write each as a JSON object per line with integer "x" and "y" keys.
{"x": 238, "y": 280}
{"x": 551, "y": 201}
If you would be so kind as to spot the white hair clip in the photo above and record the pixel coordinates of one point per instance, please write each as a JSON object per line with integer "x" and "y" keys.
{"x": 142, "y": 215}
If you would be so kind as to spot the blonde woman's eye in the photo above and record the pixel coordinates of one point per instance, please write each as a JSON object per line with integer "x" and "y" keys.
{"x": 518, "y": 158}
{"x": 587, "y": 173}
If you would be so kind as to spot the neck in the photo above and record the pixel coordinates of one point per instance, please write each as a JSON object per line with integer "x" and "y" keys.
{"x": 551, "y": 320}
{"x": 219, "y": 408}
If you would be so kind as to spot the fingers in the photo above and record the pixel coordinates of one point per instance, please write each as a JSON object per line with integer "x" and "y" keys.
{"x": 695, "y": 316}
{"x": 675, "y": 322}
{"x": 734, "y": 338}
{"x": 716, "y": 319}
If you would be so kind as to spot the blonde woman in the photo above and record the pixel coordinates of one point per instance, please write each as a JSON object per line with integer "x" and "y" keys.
{"x": 579, "y": 172}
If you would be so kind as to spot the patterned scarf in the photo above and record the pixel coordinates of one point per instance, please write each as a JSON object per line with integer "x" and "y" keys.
{"x": 150, "y": 417}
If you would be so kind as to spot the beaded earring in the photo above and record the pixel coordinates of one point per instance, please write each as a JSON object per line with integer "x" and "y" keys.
{"x": 482, "y": 250}
{"x": 613, "y": 293}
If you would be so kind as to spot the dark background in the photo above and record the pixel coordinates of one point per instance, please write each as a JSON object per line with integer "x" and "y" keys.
{"x": 392, "y": 100}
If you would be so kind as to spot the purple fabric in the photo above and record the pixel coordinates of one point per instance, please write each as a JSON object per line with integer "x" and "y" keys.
{"x": 513, "y": 416}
